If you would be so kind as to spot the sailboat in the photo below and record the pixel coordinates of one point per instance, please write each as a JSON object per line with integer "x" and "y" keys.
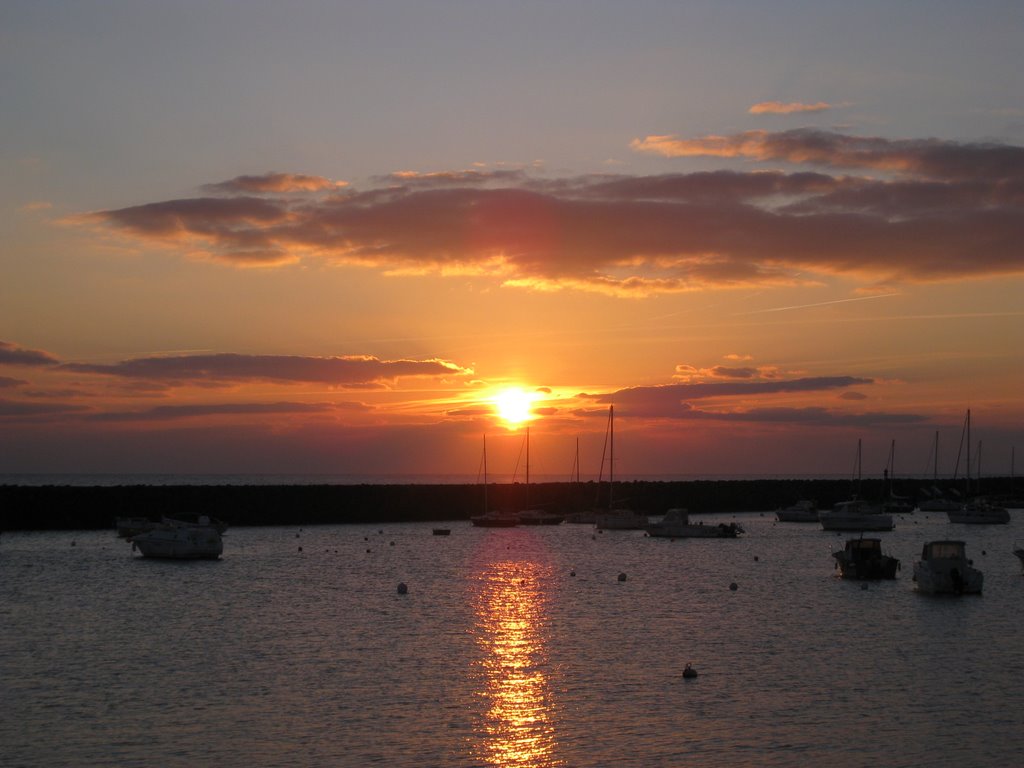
{"x": 855, "y": 514}
{"x": 612, "y": 518}
{"x": 937, "y": 503}
{"x": 587, "y": 517}
{"x": 535, "y": 516}
{"x": 492, "y": 518}
{"x": 894, "y": 504}
{"x": 977, "y": 511}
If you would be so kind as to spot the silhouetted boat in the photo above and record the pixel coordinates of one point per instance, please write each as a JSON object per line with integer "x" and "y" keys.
{"x": 131, "y": 526}
{"x": 676, "y": 525}
{"x": 855, "y": 514}
{"x": 804, "y": 511}
{"x": 1019, "y": 552}
{"x": 492, "y": 518}
{"x": 977, "y": 511}
{"x": 862, "y": 559}
{"x": 614, "y": 519}
{"x": 176, "y": 540}
{"x": 535, "y": 516}
{"x": 442, "y": 531}
{"x": 945, "y": 569}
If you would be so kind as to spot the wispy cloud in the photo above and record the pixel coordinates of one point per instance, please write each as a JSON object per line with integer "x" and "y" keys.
{"x": 349, "y": 371}
{"x": 788, "y": 108}
{"x": 275, "y": 182}
{"x": 175, "y": 412}
{"x": 635, "y": 235}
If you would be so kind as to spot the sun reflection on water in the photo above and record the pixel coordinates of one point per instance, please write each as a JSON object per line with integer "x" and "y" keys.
{"x": 518, "y": 728}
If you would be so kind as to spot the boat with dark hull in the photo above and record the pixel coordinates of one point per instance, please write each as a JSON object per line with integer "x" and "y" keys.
{"x": 862, "y": 559}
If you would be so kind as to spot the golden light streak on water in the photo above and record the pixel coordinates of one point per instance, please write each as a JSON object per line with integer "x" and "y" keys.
{"x": 518, "y": 726}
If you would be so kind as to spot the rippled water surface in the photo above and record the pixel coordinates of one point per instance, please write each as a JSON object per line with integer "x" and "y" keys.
{"x": 512, "y": 647}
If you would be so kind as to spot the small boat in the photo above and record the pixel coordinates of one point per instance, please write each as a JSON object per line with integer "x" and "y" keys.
{"x": 176, "y": 540}
{"x": 979, "y": 512}
{"x": 855, "y": 515}
{"x": 442, "y": 531}
{"x": 939, "y": 504}
{"x": 1019, "y": 552}
{"x": 612, "y": 519}
{"x": 492, "y": 518}
{"x": 862, "y": 559}
{"x": 539, "y": 517}
{"x": 676, "y": 525}
{"x": 495, "y": 519}
{"x": 535, "y": 516}
{"x": 945, "y": 569}
{"x": 804, "y": 511}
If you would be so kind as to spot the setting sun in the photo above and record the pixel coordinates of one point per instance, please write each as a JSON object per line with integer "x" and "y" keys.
{"x": 513, "y": 406}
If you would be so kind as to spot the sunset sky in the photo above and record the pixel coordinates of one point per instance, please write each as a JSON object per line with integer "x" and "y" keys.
{"x": 326, "y": 237}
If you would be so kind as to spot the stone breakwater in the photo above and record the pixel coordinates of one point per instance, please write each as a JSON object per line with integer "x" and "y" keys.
{"x": 61, "y": 507}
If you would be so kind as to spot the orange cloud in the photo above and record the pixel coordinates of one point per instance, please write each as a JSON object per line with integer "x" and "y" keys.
{"x": 794, "y": 107}
{"x": 640, "y": 235}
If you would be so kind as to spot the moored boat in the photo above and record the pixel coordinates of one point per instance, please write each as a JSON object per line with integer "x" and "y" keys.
{"x": 804, "y": 511}
{"x": 176, "y": 540}
{"x": 855, "y": 515}
{"x": 676, "y": 525}
{"x": 862, "y": 559}
{"x": 612, "y": 518}
{"x": 979, "y": 512}
{"x": 1019, "y": 552}
{"x": 945, "y": 569}
{"x": 492, "y": 518}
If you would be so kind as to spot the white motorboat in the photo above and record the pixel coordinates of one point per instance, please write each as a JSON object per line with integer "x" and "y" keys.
{"x": 175, "y": 540}
{"x": 945, "y": 569}
{"x": 979, "y": 512}
{"x": 804, "y": 511}
{"x": 855, "y": 515}
{"x": 676, "y": 525}
{"x": 862, "y": 559}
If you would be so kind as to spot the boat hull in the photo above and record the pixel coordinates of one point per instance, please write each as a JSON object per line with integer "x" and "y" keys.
{"x": 621, "y": 520}
{"x": 180, "y": 543}
{"x": 945, "y": 570}
{"x": 862, "y": 560}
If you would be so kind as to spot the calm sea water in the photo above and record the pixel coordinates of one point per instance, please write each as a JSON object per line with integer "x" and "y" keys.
{"x": 512, "y": 647}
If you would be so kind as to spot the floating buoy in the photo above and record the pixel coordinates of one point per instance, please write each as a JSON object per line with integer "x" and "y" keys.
{"x": 392, "y": 543}
{"x": 296, "y": 535}
{"x": 300, "y": 549}
{"x": 622, "y": 577}
{"x": 689, "y": 672}
{"x": 734, "y": 586}
{"x": 402, "y": 589}
{"x": 73, "y": 544}
{"x": 863, "y": 587}
{"x": 367, "y": 550}
{"x": 756, "y": 558}
{"x": 572, "y": 573}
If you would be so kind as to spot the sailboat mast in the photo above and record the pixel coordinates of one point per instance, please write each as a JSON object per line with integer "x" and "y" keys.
{"x": 485, "y": 473}
{"x": 611, "y": 455}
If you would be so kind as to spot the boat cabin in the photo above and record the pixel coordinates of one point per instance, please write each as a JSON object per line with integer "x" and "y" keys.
{"x": 943, "y": 550}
